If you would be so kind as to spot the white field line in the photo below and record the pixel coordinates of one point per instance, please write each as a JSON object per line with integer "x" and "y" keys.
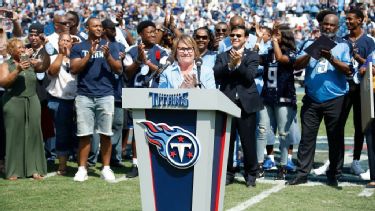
{"x": 120, "y": 179}
{"x": 276, "y": 182}
{"x": 51, "y": 174}
{"x": 367, "y": 192}
{"x": 258, "y": 198}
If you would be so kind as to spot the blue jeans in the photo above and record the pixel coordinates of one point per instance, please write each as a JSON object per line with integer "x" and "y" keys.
{"x": 65, "y": 126}
{"x": 282, "y": 117}
{"x": 116, "y": 139}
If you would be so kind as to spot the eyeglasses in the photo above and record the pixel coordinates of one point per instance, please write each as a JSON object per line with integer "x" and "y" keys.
{"x": 236, "y": 35}
{"x": 162, "y": 30}
{"x": 197, "y": 37}
{"x": 221, "y": 30}
{"x": 64, "y": 23}
{"x": 150, "y": 32}
{"x": 182, "y": 50}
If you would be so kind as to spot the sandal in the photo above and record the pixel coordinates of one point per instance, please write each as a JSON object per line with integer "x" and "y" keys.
{"x": 370, "y": 185}
{"x": 61, "y": 172}
{"x": 12, "y": 178}
{"x": 37, "y": 177}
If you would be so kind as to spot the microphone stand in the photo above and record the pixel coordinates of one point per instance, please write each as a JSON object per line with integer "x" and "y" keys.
{"x": 152, "y": 76}
{"x": 198, "y": 63}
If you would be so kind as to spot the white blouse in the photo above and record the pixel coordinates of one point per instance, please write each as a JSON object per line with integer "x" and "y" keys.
{"x": 64, "y": 85}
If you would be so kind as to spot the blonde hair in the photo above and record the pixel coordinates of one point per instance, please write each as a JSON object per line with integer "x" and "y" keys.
{"x": 189, "y": 41}
{"x": 12, "y": 44}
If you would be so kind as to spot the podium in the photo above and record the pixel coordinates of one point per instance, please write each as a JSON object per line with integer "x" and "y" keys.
{"x": 367, "y": 98}
{"x": 182, "y": 138}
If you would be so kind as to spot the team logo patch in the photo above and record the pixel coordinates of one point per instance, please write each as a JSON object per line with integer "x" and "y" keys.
{"x": 178, "y": 146}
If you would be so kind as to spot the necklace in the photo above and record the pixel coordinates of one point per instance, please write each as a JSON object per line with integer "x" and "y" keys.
{"x": 354, "y": 39}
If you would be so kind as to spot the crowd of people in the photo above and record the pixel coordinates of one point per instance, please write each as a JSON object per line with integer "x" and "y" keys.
{"x": 63, "y": 68}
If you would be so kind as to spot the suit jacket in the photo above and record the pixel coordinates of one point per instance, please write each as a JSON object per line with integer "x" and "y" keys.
{"x": 240, "y": 80}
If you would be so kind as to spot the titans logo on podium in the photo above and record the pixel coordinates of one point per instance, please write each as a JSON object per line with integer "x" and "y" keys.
{"x": 178, "y": 146}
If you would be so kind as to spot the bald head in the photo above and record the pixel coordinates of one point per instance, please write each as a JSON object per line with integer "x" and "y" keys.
{"x": 236, "y": 21}
{"x": 332, "y": 18}
{"x": 330, "y": 25}
{"x": 61, "y": 24}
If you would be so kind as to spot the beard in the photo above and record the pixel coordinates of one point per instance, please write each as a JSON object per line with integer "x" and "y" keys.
{"x": 328, "y": 34}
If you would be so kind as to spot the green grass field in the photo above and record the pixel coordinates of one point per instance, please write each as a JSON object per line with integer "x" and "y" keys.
{"x": 62, "y": 193}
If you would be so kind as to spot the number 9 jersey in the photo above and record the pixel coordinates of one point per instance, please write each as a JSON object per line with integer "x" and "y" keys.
{"x": 278, "y": 88}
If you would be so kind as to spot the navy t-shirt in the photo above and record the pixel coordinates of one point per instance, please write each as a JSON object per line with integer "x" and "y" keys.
{"x": 97, "y": 80}
{"x": 363, "y": 46}
{"x": 278, "y": 88}
{"x": 119, "y": 79}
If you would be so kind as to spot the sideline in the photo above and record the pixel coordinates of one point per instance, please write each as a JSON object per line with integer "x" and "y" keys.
{"x": 51, "y": 174}
{"x": 258, "y": 198}
{"x": 120, "y": 179}
{"x": 367, "y": 192}
{"x": 279, "y": 185}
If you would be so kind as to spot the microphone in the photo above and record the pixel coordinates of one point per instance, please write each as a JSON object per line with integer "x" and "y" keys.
{"x": 159, "y": 71}
{"x": 198, "y": 63}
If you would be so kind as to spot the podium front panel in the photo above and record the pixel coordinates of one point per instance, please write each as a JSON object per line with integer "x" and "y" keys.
{"x": 199, "y": 187}
{"x": 167, "y": 180}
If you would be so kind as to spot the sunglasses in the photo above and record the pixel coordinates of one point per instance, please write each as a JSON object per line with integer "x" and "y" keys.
{"x": 64, "y": 23}
{"x": 236, "y": 35}
{"x": 197, "y": 37}
{"x": 221, "y": 30}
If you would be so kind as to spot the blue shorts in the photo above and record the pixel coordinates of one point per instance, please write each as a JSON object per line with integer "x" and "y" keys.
{"x": 94, "y": 113}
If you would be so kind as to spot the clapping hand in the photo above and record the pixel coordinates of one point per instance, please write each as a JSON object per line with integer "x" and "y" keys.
{"x": 94, "y": 45}
{"x": 121, "y": 56}
{"x": 105, "y": 49}
{"x": 190, "y": 81}
{"x": 235, "y": 58}
{"x": 141, "y": 53}
{"x": 29, "y": 52}
{"x": 258, "y": 31}
{"x": 23, "y": 65}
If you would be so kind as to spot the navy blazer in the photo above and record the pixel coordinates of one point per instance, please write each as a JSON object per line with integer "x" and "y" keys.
{"x": 240, "y": 80}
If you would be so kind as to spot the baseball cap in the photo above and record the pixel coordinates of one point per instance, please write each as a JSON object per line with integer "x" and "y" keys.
{"x": 36, "y": 28}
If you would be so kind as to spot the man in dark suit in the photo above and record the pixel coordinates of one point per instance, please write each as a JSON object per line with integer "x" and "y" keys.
{"x": 237, "y": 68}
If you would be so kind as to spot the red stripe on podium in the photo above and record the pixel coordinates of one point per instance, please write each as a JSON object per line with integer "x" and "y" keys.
{"x": 152, "y": 176}
{"x": 222, "y": 142}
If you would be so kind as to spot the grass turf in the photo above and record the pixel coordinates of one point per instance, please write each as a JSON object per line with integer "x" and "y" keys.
{"x": 62, "y": 193}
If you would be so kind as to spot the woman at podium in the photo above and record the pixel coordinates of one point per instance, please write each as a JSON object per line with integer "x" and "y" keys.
{"x": 187, "y": 70}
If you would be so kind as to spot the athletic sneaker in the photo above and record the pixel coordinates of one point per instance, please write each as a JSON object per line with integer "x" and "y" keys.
{"x": 107, "y": 175}
{"x": 290, "y": 165}
{"x": 133, "y": 173}
{"x": 81, "y": 175}
{"x": 356, "y": 168}
{"x": 260, "y": 172}
{"x": 322, "y": 170}
{"x": 366, "y": 175}
{"x": 269, "y": 164}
